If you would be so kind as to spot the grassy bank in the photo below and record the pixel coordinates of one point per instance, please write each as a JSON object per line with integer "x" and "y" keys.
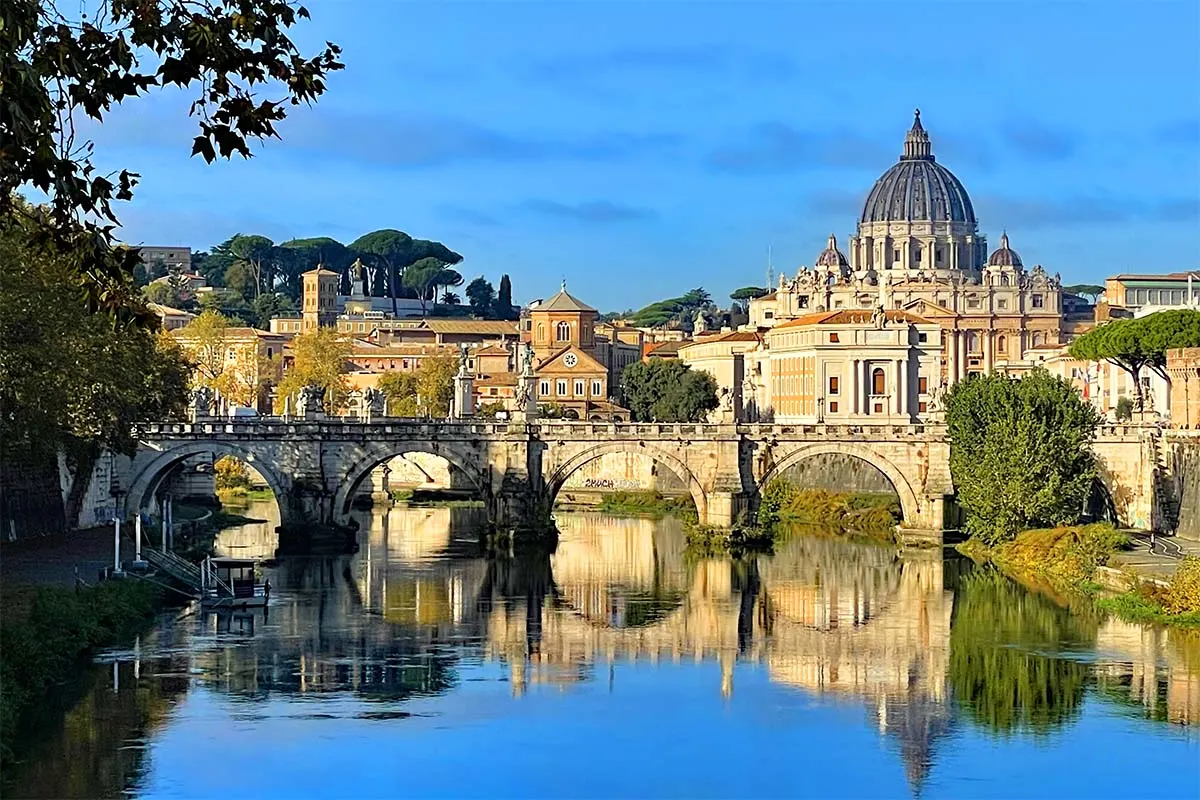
{"x": 860, "y": 512}
{"x": 243, "y": 495}
{"x": 1064, "y": 561}
{"x": 646, "y": 503}
{"x": 45, "y": 640}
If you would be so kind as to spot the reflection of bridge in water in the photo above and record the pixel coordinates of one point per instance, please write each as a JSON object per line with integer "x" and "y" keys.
{"x": 860, "y": 623}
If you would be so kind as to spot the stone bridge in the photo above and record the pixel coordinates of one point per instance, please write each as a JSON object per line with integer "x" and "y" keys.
{"x": 316, "y": 467}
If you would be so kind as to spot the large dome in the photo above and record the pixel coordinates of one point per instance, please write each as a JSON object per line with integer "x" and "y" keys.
{"x": 917, "y": 188}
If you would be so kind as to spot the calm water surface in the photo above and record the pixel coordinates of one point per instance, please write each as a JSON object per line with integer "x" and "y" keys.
{"x": 622, "y": 665}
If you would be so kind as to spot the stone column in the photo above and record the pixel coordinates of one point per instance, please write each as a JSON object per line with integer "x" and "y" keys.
{"x": 988, "y": 346}
{"x": 855, "y": 371}
{"x": 951, "y": 356}
{"x": 902, "y": 386}
{"x": 962, "y": 355}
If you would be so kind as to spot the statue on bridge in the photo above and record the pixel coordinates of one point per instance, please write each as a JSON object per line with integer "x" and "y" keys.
{"x": 312, "y": 401}
{"x": 372, "y": 403}
{"x": 201, "y": 402}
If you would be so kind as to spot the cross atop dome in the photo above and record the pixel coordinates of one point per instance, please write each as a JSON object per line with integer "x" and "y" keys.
{"x": 916, "y": 143}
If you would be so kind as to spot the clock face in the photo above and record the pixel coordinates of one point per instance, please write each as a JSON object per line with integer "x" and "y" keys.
{"x": 570, "y": 359}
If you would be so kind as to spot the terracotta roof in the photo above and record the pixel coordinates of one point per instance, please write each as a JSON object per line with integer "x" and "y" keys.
{"x": 492, "y": 350}
{"x": 851, "y": 316}
{"x": 485, "y": 327}
{"x": 665, "y": 348}
{"x": 1177, "y": 276}
{"x": 319, "y": 271}
{"x": 731, "y": 336}
{"x": 499, "y": 379}
{"x": 771, "y": 295}
{"x": 563, "y": 301}
{"x": 168, "y": 311}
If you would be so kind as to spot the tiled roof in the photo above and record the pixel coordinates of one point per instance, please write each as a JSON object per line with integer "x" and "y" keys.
{"x": 850, "y": 316}
{"x": 1170, "y": 276}
{"x": 666, "y": 348}
{"x": 731, "y": 336}
{"x": 563, "y": 301}
{"x": 319, "y": 271}
{"x": 491, "y": 350}
{"x": 499, "y": 379}
{"x": 484, "y": 327}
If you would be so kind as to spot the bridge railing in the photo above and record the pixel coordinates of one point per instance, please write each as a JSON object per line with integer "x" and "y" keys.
{"x": 279, "y": 426}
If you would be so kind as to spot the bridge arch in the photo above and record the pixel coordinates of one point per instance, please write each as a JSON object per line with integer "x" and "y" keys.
{"x": 379, "y": 454}
{"x": 555, "y": 481}
{"x": 147, "y": 473}
{"x": 910, "y": 503}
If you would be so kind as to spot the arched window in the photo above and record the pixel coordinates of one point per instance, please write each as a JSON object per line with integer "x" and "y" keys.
{"x": 1003, "y": 280}
{"x": 972, "y": 342}
{"x": 563, "y": 332}
{"x": 1002, "y": 344}
{"x": 1038, "y": 339}
{"x": 878, "y": 382}
{"x": 541, "y": 332}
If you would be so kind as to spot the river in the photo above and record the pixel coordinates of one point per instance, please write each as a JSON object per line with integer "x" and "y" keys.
{"x": 622, "y": 665}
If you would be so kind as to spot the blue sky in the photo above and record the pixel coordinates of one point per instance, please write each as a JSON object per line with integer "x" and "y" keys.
{"x": 640, "y": 149}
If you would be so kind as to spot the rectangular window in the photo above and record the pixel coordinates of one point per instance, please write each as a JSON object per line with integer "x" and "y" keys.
{"x": 561, "y": 387}
{"x": 896, "y": 255}
{"x": 972, "y": 302}
{"x": 1002, "y": 304}
{"x": 833, "y": 407}
{"x": 937, "y": 255}
{"x": 833, "y": 385}
{"x": 922, "y": 385}
{"x": 1130, "y": 297}
{"x": 768, "y": 315}
{"x": 833, "y": 338}
{"x": 597, "y": 389}
{"x": 922, "y": 407}
{"x": 579, "y": 387}
{"x": 803, "y": 301}
{"x": 544, "y": 388}
{"x": 922, "y": 337}
{"x": 1038, "y": 301}
{"x": 837, "y": 303}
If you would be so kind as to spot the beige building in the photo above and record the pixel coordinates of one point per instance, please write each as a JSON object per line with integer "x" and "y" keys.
{"x": 722, "y": 355}
{"x": 171, "y": 318}
{"x": 848, "y": 366}
{"x": 1133, "y": 292}
{"x": 1183, "y": 368}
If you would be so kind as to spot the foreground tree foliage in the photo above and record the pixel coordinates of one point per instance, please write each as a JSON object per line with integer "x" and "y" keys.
{"x": 661, "y": 390}
{"x": 59, "y": 63}
{"x": 1020, "y": 452}
{"x": 1138, "y": 344}
{"x": 318, "y": 359}
{"x": 425, "y": 392}
{"x": 70, "y": 380}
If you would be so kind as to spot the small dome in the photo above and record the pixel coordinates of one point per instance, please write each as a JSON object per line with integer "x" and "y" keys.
{"x": 831, "y": 256}
{"x": 917, "y": 188}
{"x": 1004, "y": 256}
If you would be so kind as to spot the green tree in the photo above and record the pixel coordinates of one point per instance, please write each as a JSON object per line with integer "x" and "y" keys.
{"x": 482, "y": 297}
{"x": 451, "y": 299}
{"x": 1140, "y": 343}
{"x": 72, "y": 381}
{"x": 446, "y": 278}
{"x": 667, "y": 390}
{"x": 422, "y": 278}
{"x": 393, "y": 252}
{"x": 270, "y": 305}
{"x": 1092, "y": 291}
{"x": 259, "y": 256}
{"x": 59, "y": 62}
{"x": 240, "y": 278}
{"x": 318, "y": 359}
{"x": 229, "y": 303}
{"x": 1020, "y": 452}
{"x": 504, "y": 303}
{"x": 425, "y": 392}
{"x": 747, "y": 293}
{"x": 297, "y": 256}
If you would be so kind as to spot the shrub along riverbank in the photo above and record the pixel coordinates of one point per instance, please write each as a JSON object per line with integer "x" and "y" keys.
{"x": 46, "y": 637}
{"x": 647, "y": 503}
{"x": 874, "y": 514}
{"x": 1065, "y": 559}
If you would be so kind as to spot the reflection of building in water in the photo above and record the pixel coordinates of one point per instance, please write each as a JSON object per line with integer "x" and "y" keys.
{"x": 1151, "y": 668}
{"x": 257, "y": 540}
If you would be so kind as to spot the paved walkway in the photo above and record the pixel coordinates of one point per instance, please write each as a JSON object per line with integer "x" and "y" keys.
{"x": 51, "y": 560}
{"x": 1157, "y": 559}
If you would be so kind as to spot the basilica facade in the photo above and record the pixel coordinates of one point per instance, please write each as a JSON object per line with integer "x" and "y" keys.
{"x": 917, "y": 254}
